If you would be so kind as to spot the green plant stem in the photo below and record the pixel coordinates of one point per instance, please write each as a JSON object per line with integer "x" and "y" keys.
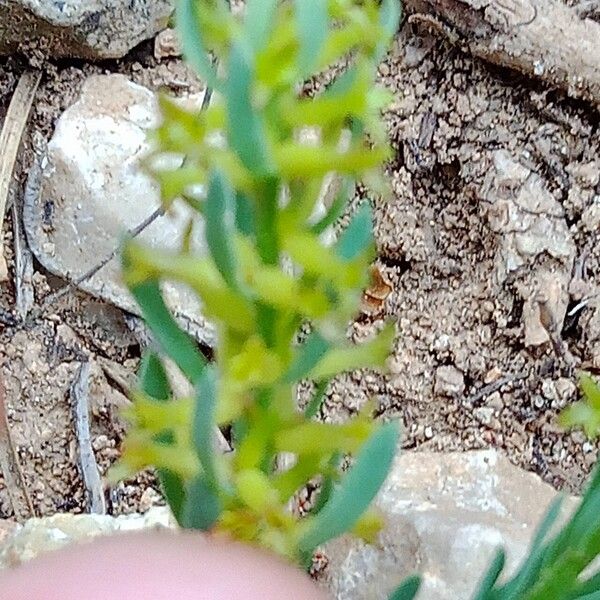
{"x": 267, "y": 245}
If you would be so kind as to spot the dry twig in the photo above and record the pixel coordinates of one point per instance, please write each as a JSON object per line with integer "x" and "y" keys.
{"x": 87, "y": 459}
{"x": 25, "y": 298}
{"x": 486, "y": 390}
{"x": 10, "y": 466}
{"x": 10, "y": 139}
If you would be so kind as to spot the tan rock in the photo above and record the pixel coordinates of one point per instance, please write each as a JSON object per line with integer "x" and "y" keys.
{"x": 446, "y": 516}
{"x": 93, "y": 29}
{"x": 92, "y": 190}
{"x": 41, "y": 535}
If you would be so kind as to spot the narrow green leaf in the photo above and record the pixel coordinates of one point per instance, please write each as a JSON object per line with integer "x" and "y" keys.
{"x": 244, "y": 215}
{"x": 407, "y": 590}
{"x": 245, "y": 127}
{"x": 337, "y": 207}
{"x": 204, "y": 422}
{"x": 200, "y": 273}
{"x": 390, "y": 15}
{"x": 177, "y": 344}
{"x": 581, "y": 414}
{"x": 219, "y": 212}
{"x": 343, "y": 83}
{"x": 372, "y": 354}
{"x": 585, "y": 514}
{"x": 266, "y": 221}
{"x": 308, "y": 355}
{"x": 356, "y": 491}
{"x": 173, "y": 488}
{"x": 358, "y": 235}
{"x": 313, "y": 21}
{"x": 328, "y": 484}
{"x": 259, "y": 21}
{"x": 486, "y": 587}
{"x": 187, "y": 24}
{"x": 591, "y": 596}
{"x": 547, "y": 522}
{"x": 154, "y": 382}
{"x": 202, "y": 506}
{"x": 314, "y": 404}
{"x": 590, "y": 389}
{"x": 153, "y": 377}
{"x": 540, "y": 557}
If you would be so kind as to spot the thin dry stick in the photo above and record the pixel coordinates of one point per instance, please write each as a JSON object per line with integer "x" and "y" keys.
{"x": 76, "y": 282}
{"x": 11, "y": 468}
{"x": 89, "y": 466}
{"x": 494, "y": 387}
{"x": 10, "y": 139}
{"x": 25, "y": 298}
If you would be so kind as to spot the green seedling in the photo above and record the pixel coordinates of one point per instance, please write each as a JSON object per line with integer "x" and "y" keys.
{"x": 254, "y": 164}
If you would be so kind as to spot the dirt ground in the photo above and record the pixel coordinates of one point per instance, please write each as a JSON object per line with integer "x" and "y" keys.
{"x": 462, "y": 376}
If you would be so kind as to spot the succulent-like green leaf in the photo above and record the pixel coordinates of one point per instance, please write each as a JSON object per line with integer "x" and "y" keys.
{"x": 153, "y": 377}
{"x": 407, "y": 590}
{"x": 390, "y": 15}
{"x": 311, "y": 437}
{"x": 590, "y": 390}
{"x": 314, "y": 404}
{"x": 200, "y": 274}
{"x": 586, "y": 412}
{"x": 372, "y": 354}
{"x": 176, "y": 344}
{"x": 307, "y": 356}
{"x": 486, "y": 587}
{"x": 328, "y": 483}
{"x": 337, "y": 207}
{"x": 204, "y": 422}
{"x": 244, "y": 215}
{"x": 358, "y": 235}
{"x": 187, "y": 23}
{"x": 174, "y": 490}
{"x": 202, "y": 505}
{"x": 259, "y": 21}
{"x": 529, "y": 573}
{"x": 591, "y": 596}
{"x": 154, "y": 382}
{"x": 313, "y": 23}
{"x": 589, "y": 589}
{"x": 356, "y": 491}
{"x": 245, "y": 127}
{"x": 219, "y": 212}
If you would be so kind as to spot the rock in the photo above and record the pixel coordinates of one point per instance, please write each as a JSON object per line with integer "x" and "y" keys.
{"x": 449, "y": 381}
{"x": 528, "y": 218}
{"x": 590, "y": 219}
{"x": 531, "y": 224}
{"x": 484, "y": 414}
{"x": 90, "y": 29}
{"x": 585, "y": 174}
{"x": 566, "y": 390}
{"x": 446, "y": 514}
{"x": 166, "y": 44}
{"x": 41, "y": 535}
{"x": 91, "y": 190}
{"x": 545, "y": 306}
{"x": 492, "y": 375}
{"x": 7, "y": 530}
